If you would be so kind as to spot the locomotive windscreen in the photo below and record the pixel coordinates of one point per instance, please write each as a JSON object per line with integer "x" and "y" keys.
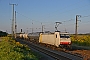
{"x": 64, "y": 36}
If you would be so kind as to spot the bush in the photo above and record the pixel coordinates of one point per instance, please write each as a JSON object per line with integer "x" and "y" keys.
{"x": 83, "y": 40}
{"x": 11, "y": 50}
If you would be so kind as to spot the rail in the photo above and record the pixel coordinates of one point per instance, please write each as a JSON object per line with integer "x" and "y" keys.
{"x": 54, "y": 54}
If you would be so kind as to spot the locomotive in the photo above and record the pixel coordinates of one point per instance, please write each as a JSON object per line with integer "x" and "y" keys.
{"x": 58, "y": 39}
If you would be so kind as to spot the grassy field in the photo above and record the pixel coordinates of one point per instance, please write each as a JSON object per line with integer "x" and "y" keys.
{"x": 12, "y": 50}
{"x": 82, "y": 40}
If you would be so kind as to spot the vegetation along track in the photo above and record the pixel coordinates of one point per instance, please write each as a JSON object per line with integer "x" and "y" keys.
{"x": 55, "y": 54}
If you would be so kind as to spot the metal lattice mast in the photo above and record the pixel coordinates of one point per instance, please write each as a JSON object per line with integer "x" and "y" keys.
{"x": 13, "y": 25}
{"x": 76, "y": 25}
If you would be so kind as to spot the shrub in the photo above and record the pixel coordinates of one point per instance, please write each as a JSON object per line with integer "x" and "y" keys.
{"x": 83, "y": 40}
{"x": 11, "y": 50}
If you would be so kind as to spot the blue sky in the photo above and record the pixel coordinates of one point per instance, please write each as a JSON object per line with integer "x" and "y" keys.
{"x": 46, "y": 12}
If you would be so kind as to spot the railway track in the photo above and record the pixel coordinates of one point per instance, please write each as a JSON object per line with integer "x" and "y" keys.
{"x": 49, "y": 52}
{"x": 58, "y": 55}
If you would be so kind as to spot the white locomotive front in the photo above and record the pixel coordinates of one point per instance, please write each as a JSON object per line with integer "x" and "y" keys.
{"x": 65, "y": 39}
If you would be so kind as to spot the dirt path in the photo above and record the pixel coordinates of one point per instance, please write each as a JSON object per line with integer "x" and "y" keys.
{"x": 84, "y": 53}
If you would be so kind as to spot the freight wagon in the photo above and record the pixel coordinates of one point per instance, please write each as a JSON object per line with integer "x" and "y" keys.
{"x": 34, "y": 36}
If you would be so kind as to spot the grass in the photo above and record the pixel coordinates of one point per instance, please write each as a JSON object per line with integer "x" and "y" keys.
{"x": 12, "y": 50}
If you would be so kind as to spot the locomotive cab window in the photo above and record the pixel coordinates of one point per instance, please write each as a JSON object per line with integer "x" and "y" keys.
{"x": 64, "y": 36}
{"x": 56, "y": 35}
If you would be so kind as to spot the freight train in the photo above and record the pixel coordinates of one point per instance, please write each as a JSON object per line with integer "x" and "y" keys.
{"x": 58, "y": 39}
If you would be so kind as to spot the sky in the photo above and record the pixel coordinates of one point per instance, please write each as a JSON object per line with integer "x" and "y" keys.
{"x": 37, "y": 13}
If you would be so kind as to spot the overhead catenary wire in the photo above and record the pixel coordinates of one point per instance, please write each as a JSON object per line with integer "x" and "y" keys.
{"x": 53, "y": 22}
{"x": 60, "y": 13}
{"x": 49, "y": 24}
{"x": 27, "y": 17}
{"x": 61, "y": 21}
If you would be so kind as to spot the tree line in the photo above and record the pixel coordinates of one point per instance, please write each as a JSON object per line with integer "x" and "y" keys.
{"x": 2, "y": 34}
